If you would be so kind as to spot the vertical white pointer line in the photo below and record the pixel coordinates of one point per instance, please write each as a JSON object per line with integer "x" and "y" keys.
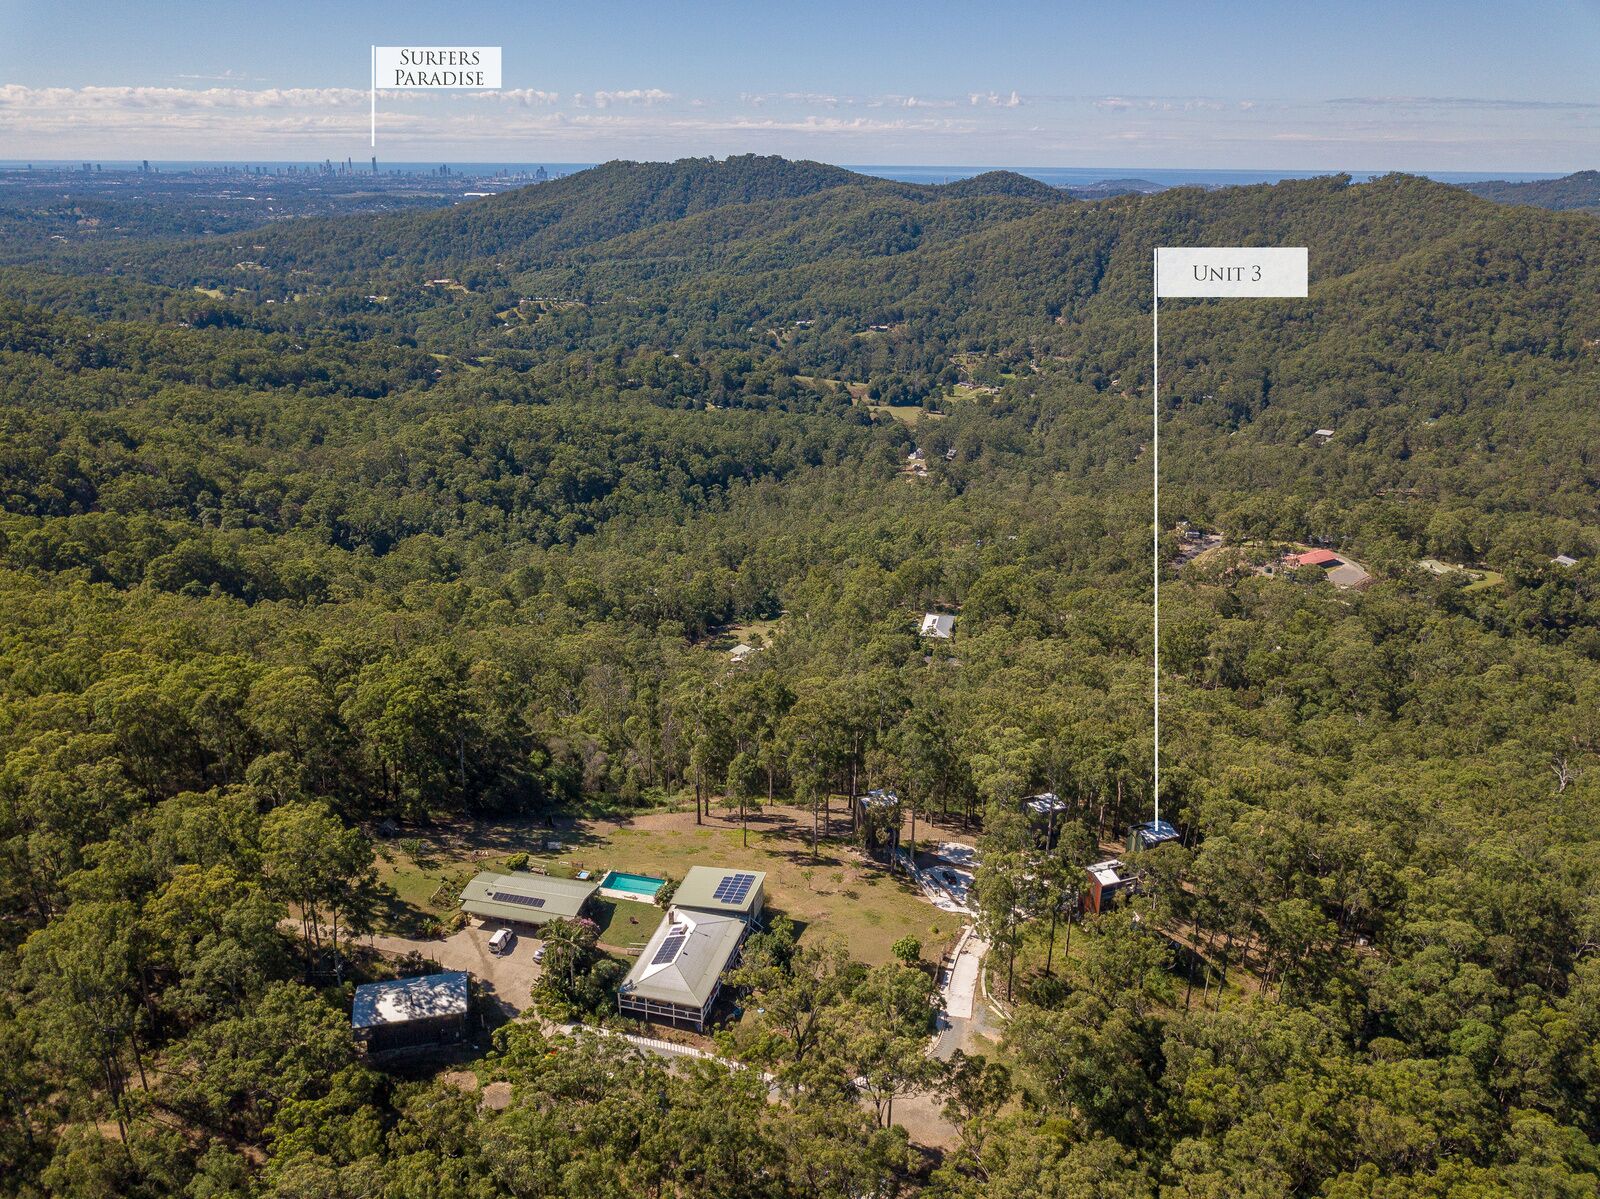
{"x": 1155, "y": 520}
{"x": 372, "y": 96}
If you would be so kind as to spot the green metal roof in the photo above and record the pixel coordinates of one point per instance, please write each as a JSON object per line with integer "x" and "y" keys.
{"x": 687, "y": 975}
{"x": 699, "y": 890}
{"x": 538, "y": 897}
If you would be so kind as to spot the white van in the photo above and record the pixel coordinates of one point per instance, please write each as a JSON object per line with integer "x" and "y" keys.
{"x": 501, "y": 941}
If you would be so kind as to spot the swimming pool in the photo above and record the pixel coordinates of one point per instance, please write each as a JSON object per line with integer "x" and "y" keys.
{"x": 631, "y": 886}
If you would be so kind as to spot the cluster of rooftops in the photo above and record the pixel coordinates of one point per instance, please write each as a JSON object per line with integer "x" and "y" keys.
{"x": 676, "y": 977}
{"x": 678, "y": 973}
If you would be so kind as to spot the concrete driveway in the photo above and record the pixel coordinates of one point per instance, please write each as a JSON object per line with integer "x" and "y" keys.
{"x": 960, "y": 1021}
{"x": 510, "y": 975}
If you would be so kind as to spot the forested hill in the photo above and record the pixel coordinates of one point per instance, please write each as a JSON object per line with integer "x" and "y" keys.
{"x": 1580, "y": 190}
{"x": 446, "y": 521}
{"x": 530, "y": 226}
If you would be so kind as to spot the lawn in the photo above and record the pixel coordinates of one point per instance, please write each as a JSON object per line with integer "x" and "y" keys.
{"x": 906, "y": 414}
{"x": 625, "y": 924}
{"x": 842, "y": 895}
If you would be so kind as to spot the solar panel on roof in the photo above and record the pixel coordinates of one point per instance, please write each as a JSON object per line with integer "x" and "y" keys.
{"x": 669, "y": 948}
{"x": 734, "y": 888}
{"x": 527, "y": 901}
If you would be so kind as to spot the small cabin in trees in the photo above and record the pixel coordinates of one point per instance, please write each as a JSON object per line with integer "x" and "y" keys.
{"x": 878, "y": 817}
{"x": 1046, "y": 810}
{"x": 1108, "y": 880}
{"x": 1150, "y": 834}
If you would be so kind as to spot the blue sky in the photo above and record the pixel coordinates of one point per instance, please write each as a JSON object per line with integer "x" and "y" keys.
{"x": 1396, "y": 85}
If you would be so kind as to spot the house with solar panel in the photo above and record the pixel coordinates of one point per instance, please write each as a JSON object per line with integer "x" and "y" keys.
{"x": 525, "y": 901}
{"x": 678, "y": 975}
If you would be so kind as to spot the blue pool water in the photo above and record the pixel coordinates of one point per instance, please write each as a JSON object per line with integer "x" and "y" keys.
{"x": 635, "y": 884}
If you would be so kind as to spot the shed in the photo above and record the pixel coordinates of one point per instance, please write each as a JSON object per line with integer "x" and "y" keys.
{"x": 1564, "y": 560}
{"x": 941, "y": 625}
{"x": 404, "y": 1013}
{"x": 530, "y": 900}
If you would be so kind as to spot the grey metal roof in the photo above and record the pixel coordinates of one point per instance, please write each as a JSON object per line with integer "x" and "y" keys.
{"x": 938, "y": 624}
{"x": 402, "y": 1000}
{"x": 543, "y": 896}
{"x": 699, "y": 890}
{"x": 688, "y": 976}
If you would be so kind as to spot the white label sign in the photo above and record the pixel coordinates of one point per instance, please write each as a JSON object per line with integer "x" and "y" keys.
{"x": 1230, "y": 271}
{"x": 436, "y": 67}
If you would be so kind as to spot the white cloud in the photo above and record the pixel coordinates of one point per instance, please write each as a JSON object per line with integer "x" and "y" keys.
{"x": 525, "y": 96}
{"x": 826, "y": 99}
{"x": 636, "y": 95}
{"x": 60, "y": 99}
{"x": 995, "y": 99}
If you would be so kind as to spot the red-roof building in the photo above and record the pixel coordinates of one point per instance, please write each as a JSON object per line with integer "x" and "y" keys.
{"x": 1312, "y": 558}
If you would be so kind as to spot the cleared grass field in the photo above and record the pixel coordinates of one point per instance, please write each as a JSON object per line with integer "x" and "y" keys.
{"x": 843, "y": 895}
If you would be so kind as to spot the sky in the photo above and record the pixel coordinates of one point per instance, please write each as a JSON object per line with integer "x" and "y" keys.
{"x": 1204, "y": 84}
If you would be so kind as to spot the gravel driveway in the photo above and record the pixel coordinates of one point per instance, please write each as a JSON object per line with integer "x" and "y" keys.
{"x": 510, "y": 975}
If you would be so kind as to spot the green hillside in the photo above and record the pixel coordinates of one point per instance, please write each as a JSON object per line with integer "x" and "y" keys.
{"x": 1579, "y": 190}
{"x": 332, "y": 550}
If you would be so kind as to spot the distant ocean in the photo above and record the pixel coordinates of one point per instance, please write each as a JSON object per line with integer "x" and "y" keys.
{"x": 1057, "y": 176}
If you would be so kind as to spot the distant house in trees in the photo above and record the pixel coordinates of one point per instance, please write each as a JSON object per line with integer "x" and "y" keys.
{"x": 408, "y": 1013}
{"x": 1339, "y": 572}
{"x": 1322, "y": 437}
{"x": 741, "y": 653}
{"x": 1564, "y": 560}
{"x": 1312, "y": 558}
{"x": 524, "y": 901}
{"x": 938, "y": 625}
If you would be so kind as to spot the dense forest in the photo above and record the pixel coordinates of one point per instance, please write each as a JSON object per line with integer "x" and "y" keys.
{"x": 411, "y": 517}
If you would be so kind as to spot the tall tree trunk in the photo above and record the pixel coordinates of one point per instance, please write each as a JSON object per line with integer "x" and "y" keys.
{"x": 138, "y": 1059}
{"x": 1050, "y": 950}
